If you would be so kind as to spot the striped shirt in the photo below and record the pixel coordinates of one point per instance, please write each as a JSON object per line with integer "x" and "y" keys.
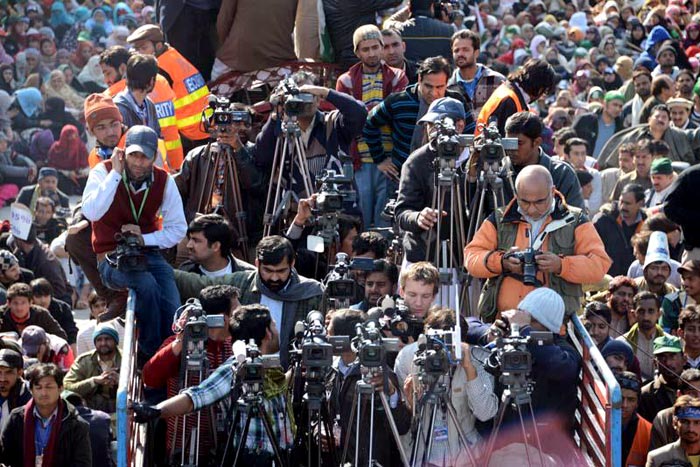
{"x": 372, "y": 95}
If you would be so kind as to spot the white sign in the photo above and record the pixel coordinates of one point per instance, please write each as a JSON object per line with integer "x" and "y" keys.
{"x": 20, "y": 221}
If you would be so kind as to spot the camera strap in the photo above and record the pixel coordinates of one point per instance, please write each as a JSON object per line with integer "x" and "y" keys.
{"x": 136, "y": 215}
{"x": 551, "y": 227}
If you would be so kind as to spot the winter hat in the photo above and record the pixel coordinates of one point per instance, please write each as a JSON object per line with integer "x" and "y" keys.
{"x": 667, "y": 47}
{"x": 105, "y": 329}
{"x": 619, "y": 347}
{"x": 645, "y": 62}
{"x": 100, "y": 107}
{"x": 7, "y": 260}
{"x": 546, "y": 306}
{"x": 366, "y": 32}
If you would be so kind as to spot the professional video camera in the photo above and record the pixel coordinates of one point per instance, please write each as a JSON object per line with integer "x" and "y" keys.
{"x": 295, "y": 102}
{"x": 340, "y": 287}
{"x": 195, "y": 333}
{"x": 491, "y": 147}
{"x": 224, "y": 115}
{"x": 527, "y": 257}
{"x": 437, "y": 351}
{"x": 371, "y": 346}
{"x": 448, "y": 142}
{"x": 399, "y": 320}
{"x": 251, "y": 364}
{"x": 129, "y": 256}
{"x": 315, "y": 346}
{"x": 512, "y": 359}
{"x": 335, "y": 191}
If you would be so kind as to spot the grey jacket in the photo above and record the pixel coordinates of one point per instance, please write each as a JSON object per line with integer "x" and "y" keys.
{"x": 15, "y": 167}
{"x": 130, "y": 115}
{"x": 671, "y": 454}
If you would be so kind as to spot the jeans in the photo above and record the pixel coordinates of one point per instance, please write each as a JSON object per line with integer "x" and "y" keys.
{"x": 373, "y": 192}
{"x": 157, "y": 298}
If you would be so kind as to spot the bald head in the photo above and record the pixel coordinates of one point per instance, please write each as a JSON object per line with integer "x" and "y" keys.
{"x": 535, "y": 191}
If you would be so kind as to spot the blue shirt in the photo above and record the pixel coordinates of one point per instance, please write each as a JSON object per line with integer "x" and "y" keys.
{"x": 605, "y": 132}
{"x": 469, "y": 86}
{"x": 42, "y": 430}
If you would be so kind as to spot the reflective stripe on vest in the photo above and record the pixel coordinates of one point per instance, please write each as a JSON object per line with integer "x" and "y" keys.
{"x": 191, "y": 92}
{"x": 502, "y": 92}
{"x": 163, "y": 96}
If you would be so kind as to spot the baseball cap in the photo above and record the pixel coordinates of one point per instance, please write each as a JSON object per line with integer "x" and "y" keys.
{"x": 444, "y": 107}
{"x": 661, "y": 166}
{"x": 32, "y": 338}
{"x": 11, "y": 359}
{"x": 691, "y": 266}
{"x": 141, "y": 138}
{"x": 666, "y": 343}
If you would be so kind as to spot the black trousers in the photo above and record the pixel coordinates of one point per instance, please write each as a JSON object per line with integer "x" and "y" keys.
{"x": 194, "y": 35}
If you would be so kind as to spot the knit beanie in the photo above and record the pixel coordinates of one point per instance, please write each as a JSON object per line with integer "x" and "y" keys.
{"x": 7, "y": 260}
{"x": 366, "y": 33}
{"x": 99, "y": 107}
{"x": 619, "y": 347}
{"x": 105, "y": 329}
{"x": 546, "y": 306}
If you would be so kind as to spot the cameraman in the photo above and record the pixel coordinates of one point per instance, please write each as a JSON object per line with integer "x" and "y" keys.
{"x": 556, "y": 242}
{"x": 379, "y": 282}
{"x": 471, "y": 392}
{"x": 417, "y": 184}
{"x": 163, "y": 369}
{"x": 127, "y": 195}
{"x": 249, "y": 322}
{"x": 193, "y": 179}
{"x": 323, "y": 134}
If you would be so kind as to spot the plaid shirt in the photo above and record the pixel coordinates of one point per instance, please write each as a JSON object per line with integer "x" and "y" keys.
{"x": 218, "y": 386}
{"x": 489, "y": 80}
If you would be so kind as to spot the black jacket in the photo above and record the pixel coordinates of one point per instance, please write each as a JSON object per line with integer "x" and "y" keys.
{"x": 343, "y": 17}
{"x": 426, "y": 37}
{"x": 38, "y": 316}
{"x": 416, "y": 188}
{"x": 73, "y": 445}
{"x": 586, "y": 127}
{"x": 63, "y": 314}
{"x": 100, "y": 435}
{"x": 39, "y": 263}
{"x": 682, "y": 208}
{"x": 617, "y": 240}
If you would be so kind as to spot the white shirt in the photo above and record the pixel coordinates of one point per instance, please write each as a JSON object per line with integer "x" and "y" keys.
{"x": 99, "y": 193}
{"x": 226, "y": 270}
{"x": 658, "y": 197}
{"x": 275, "y": 307}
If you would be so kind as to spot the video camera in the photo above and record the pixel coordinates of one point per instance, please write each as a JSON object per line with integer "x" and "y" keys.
{"x": 129, "y": 256}
{"x": 316, "y": 347}
{"x": 295, "y": 102}
{"x": 195, "y": 333}
{"x": 528, "y": 258}
{"x": 447, "y": 141}
{"x": 224, "y": 115}
{"x": 490, "y": 146}
{"x": 371, "y": 346}
{"x": 399, "y": 319}
{"x": 338, "y": 284}
{"x": 251, "y": 364}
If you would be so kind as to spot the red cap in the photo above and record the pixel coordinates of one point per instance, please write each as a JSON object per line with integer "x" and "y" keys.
{"x": 100, "y": 107}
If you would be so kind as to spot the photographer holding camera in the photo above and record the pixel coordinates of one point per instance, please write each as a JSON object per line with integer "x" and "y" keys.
{"x": 124, "y": 197}
{"x": 537, "y": 240}
{"x": 249, "y": 322}
{"x": 471, "y": 391}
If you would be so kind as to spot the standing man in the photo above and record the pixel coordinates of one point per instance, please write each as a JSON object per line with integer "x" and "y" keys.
{"x": 597, "y": 127}
{"x": 424, "y": 34}
{"x": 191, "y": 91}
{"x": 575, "y": 152}
{"x": 640, "y": 175}
{"x": 657, "y": 267}
{"x": 641, "y": 335}
{"x": 621, "y": 291}
{"x": 662, "y": 177}
{"x": 636, "y": 431}
{"x": 662, "y": 89}
{"x": 394, "y": 54}
{"x": 680, "y": 109}
{"x": 476, "y": 82}
{"x": 114, "y": 190}
{"x": 660, "y": 393}
{"x": 632, "y": 110}
{"x": 13, "y": 388}
{"x": 371, "y": 81}
{"x": 686, "y": 420}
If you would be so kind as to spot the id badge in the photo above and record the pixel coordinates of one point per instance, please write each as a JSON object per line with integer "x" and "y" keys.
{"x": 440, "y": 433}
{"x": 39, "y": 461}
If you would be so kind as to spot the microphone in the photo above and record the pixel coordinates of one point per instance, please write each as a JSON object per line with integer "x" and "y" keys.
{"x": 239, "y": 351}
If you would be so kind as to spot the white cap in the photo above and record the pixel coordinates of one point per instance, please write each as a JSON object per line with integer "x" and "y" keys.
{"x": 657, "y": 250}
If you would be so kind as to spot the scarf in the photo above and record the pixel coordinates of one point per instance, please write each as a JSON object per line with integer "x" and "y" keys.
{"x": 29, "y": 449}
{"x": 40, "y": 145}
{"x": 69, "y": 152}
{"x": 298, "y": 288}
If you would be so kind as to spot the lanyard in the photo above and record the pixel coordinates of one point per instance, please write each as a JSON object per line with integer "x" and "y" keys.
{"x": 136, "y": 215}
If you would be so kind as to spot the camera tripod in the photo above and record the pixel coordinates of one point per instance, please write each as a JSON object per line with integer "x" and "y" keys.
{"x": 217, "y": 184}
{"x": 251, "y": 404}
{"x": 318, "y": 424}
{"x": 443, "y": 253}
{"x": 289, "y": 155}
{"x": 432, "y": 400}
{"x": 365, "y": 391}
{"x": 516, "y": 395}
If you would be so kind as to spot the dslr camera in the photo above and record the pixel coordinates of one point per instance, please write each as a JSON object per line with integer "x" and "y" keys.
{"x": 528, "y": 258}
{"x": 129, "y": 256}
{"x": 371, "y": 346}
{"x": 295, "y": 102}
{"x": 399, "y": 319}
{"x": 224, "y": 115}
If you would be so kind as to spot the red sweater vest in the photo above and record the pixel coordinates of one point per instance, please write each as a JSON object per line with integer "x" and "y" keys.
{"x": 119, "y": 213}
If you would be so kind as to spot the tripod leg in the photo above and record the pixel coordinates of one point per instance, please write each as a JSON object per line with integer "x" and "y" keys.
{"x": 239, "y": 213}
{"x": 208, "y": 187}
{"x": 349, "y": 427}
{"x": 496, "y": 428}
{"x": 522, "y": 429}
{"x": 460, "y": 432}
{"x": 262, "y": 413}
{"x": 431, "y": 432}
{"x": 536, "y": 433}
{"x": 417, "y": 436}
{"x": 371, "y": 431}
{"x": 244, "y": 435}
{"x": 394, "y": 430}
{"x": 231, "y": 431}
{"x": 303, "y": 163}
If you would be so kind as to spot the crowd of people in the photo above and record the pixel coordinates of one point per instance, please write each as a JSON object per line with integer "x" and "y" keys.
{"x": 586, "y": 125}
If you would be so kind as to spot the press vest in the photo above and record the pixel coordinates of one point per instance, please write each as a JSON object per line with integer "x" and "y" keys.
{"x": 560, "y": 242}
{"x": 502, "y": 92}
{"x": 191, "y": 93}
{"x": 120, "y": 213}
{"x": 163, "y": 98}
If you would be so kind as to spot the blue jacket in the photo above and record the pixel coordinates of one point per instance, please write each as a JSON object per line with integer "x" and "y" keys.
{"x": 656, "y": 37}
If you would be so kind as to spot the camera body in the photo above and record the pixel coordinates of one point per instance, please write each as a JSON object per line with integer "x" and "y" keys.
{"x": 371, "y": 346}
{"x": 490, "y": 146}
{"x": 129, "y": 254}
{"x": 401, "y": 321}
{"x": 294, "y": 101}
{"x": 315, "y": 347}
{"x": 528, "y": 258}
{"x": 512, "y": 359}
{"x": 339, "y": 285}
{"x": 251, "y": 365}
{"x": 224, "y": 115}
{"x": 195, "y": 333}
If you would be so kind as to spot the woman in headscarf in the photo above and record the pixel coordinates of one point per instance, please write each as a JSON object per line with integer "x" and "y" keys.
{"x": 118, "y": 37}
{"x": 16, "y": 38}
{"x": 56, "y": 86}
{"x": 25, "y": 109}
{"x": 48, "y": 53}
{"x": 34, "y": 64}
{"x": 99, "y": 18}
{"x": 39, "y": 146}
{"x": 120, "y": 9}
{"x": 537, "y": 46}
{"x": 61, "y": 21}
{"x": 81, "y": 56}
{"x": 593, "y": 35}
{"x": 63, "y": 57}
{"x": 70, "y": 157}
{"x": 692, "y": 35}
{"x": 5, "y": 122}
{"x": 91, "y": 76}
{"x": 608, "y": 48}
{"x": 5, "y": 58}
{"x": 71, "y": 79}
{"x": 7, "y": 78}
{"x": 55, "y": 112}
{"x": 21, "y": 67}
{"x": 636, "y": 36}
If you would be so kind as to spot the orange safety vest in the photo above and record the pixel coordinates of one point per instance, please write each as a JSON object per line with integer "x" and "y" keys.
{"x": 502, "y": 92}
{"x": 640, "y": 444}
{"x": 191, "y": 93}
{"x": 94, "y": 158}
{"x": 163, "y": 98}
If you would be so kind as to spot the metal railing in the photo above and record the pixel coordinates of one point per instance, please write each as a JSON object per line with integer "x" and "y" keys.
{"x": 129, "y": 434}
{"x": 599, "y": 416}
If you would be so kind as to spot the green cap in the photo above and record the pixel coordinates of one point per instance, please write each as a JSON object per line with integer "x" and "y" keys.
{"x": 661, "y": 166}
{"x": 666, "y": 343}
{"x": 614, "y": 95}
{"x": 586, "y": 44}
{"x": 696, "y": 88}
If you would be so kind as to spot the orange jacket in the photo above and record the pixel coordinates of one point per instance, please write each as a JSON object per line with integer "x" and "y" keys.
{"x": 587, "y": 265}
{"x": 502, "y": 92}
{"x": 191, "y": 93}
{"x": 640, "y": 444}
{"x": 163, "y": 97}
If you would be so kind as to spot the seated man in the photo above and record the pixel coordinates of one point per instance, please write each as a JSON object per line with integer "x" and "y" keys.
{"x": 686, "y": 421}
{"x": 100, "y": 429}
{"x": 127, "y": 195}
{"x": 209, "y": 246}
{"x": 97, "y": 306}
{"x": 95, "y": 375}
{"x": 249, "y": 322}
{"x": 274, "y": 283}
{"x": 46, "y": 348}
{"x": 11, "y": 272}
{"x": 163, "y": 369}
{"x": 60, "y": 310}
{"x": 19, "y": 313}
{"x": 14, "y": 391}
{"x": 636, "y": 431}
{"x": 47, "y": 185}
{"x": 663, "y": 430}
{"x": 380, "y": 282}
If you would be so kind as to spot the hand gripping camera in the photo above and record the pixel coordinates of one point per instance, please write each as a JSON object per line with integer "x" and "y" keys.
{"x": 295, "y": 102}
{"x": 129, "y": 255}
{"x": 399, "y": 319}
{"x": 528, "y": 258}
{"x": 224, "y": 115}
